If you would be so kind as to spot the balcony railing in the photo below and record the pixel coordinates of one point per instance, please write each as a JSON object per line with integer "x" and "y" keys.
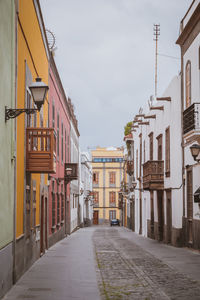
{"x": 130, "y": 167}
{"x": 40, "y": 150}
{"x": 153, "y": 175}
{"x": 191, "y": 118}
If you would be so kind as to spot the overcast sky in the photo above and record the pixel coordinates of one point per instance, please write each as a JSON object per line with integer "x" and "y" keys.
{"x": 106, "y": 58}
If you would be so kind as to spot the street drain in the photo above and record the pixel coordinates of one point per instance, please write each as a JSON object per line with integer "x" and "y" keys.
{"x": 39, "y": 289}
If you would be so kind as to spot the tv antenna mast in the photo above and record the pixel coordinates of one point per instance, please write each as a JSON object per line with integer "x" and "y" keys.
{"x": 156, "y": 33}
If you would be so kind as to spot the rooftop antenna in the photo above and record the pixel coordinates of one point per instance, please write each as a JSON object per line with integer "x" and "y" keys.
{"x": 156, "y": 33}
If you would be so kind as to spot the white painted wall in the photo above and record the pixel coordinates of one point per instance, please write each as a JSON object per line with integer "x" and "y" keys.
{"x": 192, "y": 55}
{"x": 74, "y": 185}
{"x": 169, "y": 117}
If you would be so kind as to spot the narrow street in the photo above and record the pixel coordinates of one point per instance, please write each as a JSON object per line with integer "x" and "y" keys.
{"x": 123, "y": 265}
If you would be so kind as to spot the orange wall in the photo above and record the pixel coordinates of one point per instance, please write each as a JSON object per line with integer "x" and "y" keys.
{"x": 33, "y": 41}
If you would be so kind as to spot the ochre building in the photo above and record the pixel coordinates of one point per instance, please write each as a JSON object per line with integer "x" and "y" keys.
{"x": 107, "y": 165}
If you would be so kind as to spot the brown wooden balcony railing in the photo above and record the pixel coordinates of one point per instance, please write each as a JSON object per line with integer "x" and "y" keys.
{"x": 191, "y": 118}
{"x": 153, "y": 175}
{"x": 130, "y": 167}
{"x": 40, "y": 150}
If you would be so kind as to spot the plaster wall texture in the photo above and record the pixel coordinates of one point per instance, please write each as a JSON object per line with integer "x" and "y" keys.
{"x": 7, "y": 96}
{"x": 35, "y": 58}
{"x": 192, "y": 55}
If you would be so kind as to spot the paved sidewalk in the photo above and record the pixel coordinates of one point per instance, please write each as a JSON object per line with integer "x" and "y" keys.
{"x": 66, "y": 271}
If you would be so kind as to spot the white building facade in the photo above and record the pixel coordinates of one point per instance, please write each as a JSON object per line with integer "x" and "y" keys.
{"x": 74, "y": 185}
{"x": 189, "y": 41}
{"x": 166, "y": 175}
{"x": 86, "y": 198}
{"x": 158, "y": 167}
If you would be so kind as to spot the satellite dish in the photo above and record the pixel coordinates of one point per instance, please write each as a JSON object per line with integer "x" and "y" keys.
{"x": 51, "y": 40}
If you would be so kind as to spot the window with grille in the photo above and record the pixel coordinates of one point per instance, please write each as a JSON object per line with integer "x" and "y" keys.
{"x": 189, "y": 194}
{"x": 188, "y": 84}
{"x": 62, "y": 142}
{"x": 53, "y": 115}
{"x": 68, "y": 149}
{"x": 151, "y": 146}
{"x": 53, "y": 204}
{"x": 96, "y": 198}
{"x": 167, "y": 152}
{"x": 34, "y": 204}
{"x": 112, "y": 214}
{"x": 159, "y": 139}
{"x": 58, "y": 205}
{"x": 65, "y": 146}
{"x": 62, "y": 203}
{"x": 95, "y": 178}
{"x": 112, "y": 178}
{"x": 58, "y": 137}
{"x": 112, "y": 198}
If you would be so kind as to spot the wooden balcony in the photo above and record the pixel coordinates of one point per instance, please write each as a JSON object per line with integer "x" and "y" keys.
{"x": 40, "y": 150}
{"x": 71, "y": 172}
{"x": 191, "y": 122}
{"x": 130, "y": 167}
{"x": 153, "y": 175}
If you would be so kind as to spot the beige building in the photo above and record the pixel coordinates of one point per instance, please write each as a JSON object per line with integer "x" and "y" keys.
{"x": 107, "y": 165}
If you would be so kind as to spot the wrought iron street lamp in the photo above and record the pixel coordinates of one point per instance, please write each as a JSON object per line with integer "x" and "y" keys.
{"x": 38, "y": 90}
{"x": 195, "y": 150}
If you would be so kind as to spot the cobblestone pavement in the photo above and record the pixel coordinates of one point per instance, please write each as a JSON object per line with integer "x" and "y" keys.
{"x": 126, "y": 271}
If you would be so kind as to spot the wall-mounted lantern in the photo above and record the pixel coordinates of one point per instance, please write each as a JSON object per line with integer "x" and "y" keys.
{"x": 38, "y": 90}
{"x": 195, "y": 150}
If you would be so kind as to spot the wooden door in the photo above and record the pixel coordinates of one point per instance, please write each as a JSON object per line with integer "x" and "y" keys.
{"x": 160, "y": 215}
{"x": 169, "y": 217}
{"x": 95, "y": 217}
{"x": 152, "y": 215}
{"x": 189, "y": 206}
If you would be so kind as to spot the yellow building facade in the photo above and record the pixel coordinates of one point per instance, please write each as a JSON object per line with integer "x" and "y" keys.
{"x": 107, "y": 165}
{"x": 32, "y": 62}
